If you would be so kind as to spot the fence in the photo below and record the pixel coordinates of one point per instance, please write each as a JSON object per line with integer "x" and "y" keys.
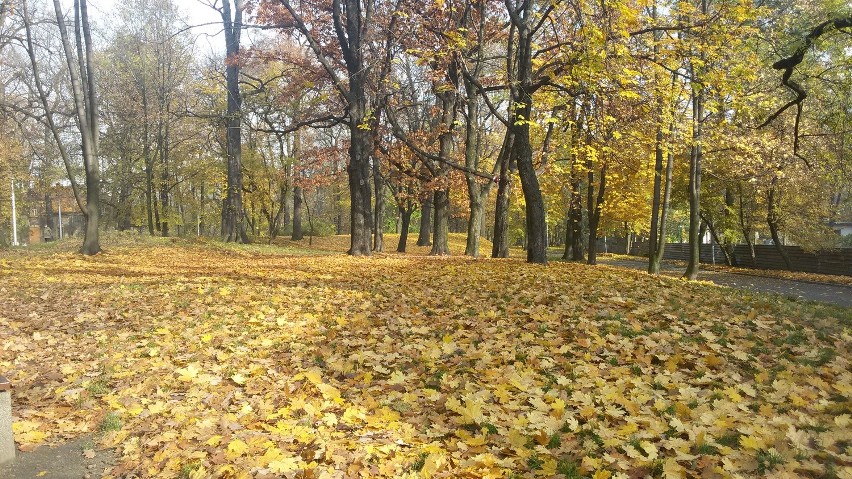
{"x": 837, "y": 262}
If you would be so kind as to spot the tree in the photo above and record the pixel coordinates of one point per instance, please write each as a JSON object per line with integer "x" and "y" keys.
{"x": 233, "y": 227}
{"x": 344, "y": 29}
{"x": 81, "y": 73}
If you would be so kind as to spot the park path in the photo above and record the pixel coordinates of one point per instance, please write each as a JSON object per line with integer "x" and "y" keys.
{"x": 822, "y": 292}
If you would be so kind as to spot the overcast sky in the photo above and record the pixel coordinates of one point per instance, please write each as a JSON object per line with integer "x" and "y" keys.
{"x": 209, "y": 37}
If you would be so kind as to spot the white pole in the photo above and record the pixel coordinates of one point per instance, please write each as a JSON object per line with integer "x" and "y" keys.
{"x": 14, "y": 217}
{"x": 60, "y": 217}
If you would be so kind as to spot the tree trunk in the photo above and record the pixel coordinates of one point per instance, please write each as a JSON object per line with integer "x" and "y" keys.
{"x": 476, "y": 193}
{"x": 628, "y": 241}
{"x": 405, "y": 214}
{"x": 285, "y": 210}
{"x": 474, "y": 227}
{"x": 714, "y": 234}
{"x": 378, "y": 215}
{"x": 773, "y": 220}
{"x": 500, "y": 243}
{"x": 233, "y": 227}
{"x": 164, "y": 183}
{"x": 85, "y": 105}
{"x": 746, "y": 229}
{"x": 523, "y": 18}
{"x": 441, "y": 204}
{"x": 659, "y": 251}
{"x": 694, "y": 188}
{"x": 653, "y": 258}
{"x": 298, "y": 234}
{"x": 594, "y": 213}
{"x": 425, "y": 236}
{"x": 727, "y": 244}
{"x": 359, "y": 190}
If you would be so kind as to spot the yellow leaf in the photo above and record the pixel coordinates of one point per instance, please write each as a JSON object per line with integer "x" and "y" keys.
{"x": 287, "y": 464}
{"x": 650, "y": 450}
{"x": 432, "y": 464}
{"x": 672, "y": 469}
{"x": 329, "y": 392}
{"x": 156, "y": 407}
{"x": 188, "y": 373}
{"x": 751, "y": 442}
{"x": 517, "y": 439}
{"x": 601, "y": 474}
{"x": 558, "y": 407}
{"x": 237, "y": 448}
{"x": 398, "y": 377}
{"x": 590, "y": 463}
{"x": 314, "y": 375}
{"x": 628, "y": 429}
{"x": 239, "y": 379}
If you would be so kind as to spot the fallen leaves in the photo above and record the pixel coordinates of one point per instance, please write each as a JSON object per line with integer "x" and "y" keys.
{"x": 197, "y": 362}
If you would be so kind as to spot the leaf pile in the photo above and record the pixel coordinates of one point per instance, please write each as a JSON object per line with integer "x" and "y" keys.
{"x": 195, "y": 362}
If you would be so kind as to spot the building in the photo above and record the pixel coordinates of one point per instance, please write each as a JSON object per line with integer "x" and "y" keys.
{"x": 56, "y": 209}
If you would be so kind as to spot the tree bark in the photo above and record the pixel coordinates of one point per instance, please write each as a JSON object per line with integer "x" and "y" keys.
{"x": 653, "y": 258}
{"x": 447, "y": 96}
{"x": 85, "y": 105}
{"x": 536, "y": 228}
{"x": 360, "y": 192}
{"x": 746, "y": 229}
{"x": 773, "y": 220}
{"x": 405, "y": 215}
{"x": 378, "y": 215}
{"x": 594, "y": 207}
{"x": 425, "y": 236}
{"x": 477, "y": 193}
{"x": 694, "y": 188}
{"x": 298, "y": 233}
{"x": 233, "y": 227}
{"x": 441, "y": 204}
{"x": 500, "y": 243}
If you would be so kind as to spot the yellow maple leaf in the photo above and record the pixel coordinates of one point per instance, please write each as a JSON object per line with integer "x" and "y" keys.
{"x": 601, "y": 474}
{"x": 752, "y": 442}
{"x": 236, "y": 448}
{"x": 156, "y": 407}
{"x": 284, "y": 465}
{"x": 314, "y": 375}
{"x": 188, "y": 373}
{"x": 628, "y": 429}
{"x": 432, "y": 464}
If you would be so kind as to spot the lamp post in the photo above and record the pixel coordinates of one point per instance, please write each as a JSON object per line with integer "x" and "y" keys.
{"x": 60, "y": 216}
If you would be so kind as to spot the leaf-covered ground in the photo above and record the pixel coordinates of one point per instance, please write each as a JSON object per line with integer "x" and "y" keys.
{"x": 197, "y": 361}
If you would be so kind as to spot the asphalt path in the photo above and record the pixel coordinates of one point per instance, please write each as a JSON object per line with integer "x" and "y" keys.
{"x": 822, "y": 292}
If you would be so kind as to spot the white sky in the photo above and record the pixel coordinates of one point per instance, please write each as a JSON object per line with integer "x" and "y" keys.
{"x": 209, "y": 38}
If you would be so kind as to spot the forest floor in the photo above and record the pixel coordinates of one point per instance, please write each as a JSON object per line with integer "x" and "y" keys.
{"x": 192, "y": 360}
